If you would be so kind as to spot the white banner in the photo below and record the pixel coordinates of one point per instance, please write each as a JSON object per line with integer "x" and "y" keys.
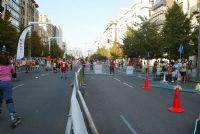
{"x": 129, "y": 70}
{"x": 98, "y": 69}
{"x": 20, "y": 46}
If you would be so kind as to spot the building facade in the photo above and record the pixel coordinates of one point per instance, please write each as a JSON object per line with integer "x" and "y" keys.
{"x": 45, "y": 31}
{"x": 132, "y": 17}
{"x": 29, "y": 12}
{"x": 13, "y": 6}
{"x": 160, "y": 7}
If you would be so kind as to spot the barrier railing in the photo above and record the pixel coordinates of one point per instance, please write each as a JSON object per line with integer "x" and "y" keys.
{"x": 79, "y": 122}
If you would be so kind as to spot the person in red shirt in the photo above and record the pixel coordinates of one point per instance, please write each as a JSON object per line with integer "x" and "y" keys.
{"x": 112, "y": 67}
{"x": 63, "y": 69}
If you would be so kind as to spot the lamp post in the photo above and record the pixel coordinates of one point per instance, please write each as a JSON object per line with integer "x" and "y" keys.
{"x": 50, "y": 42}
{"x": 198, "y": 58}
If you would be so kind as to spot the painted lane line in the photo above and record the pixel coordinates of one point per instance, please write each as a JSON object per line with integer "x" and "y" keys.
{"x": 44, "y": 74}
{"x": 92, "y": 78}
{"x": 128, "y": 85}
{"x": 128, "y": 124}
{"x": 117, "y": 79}
{"x": 18, "y": 86}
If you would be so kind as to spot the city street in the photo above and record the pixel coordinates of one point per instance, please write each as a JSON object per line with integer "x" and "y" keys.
{"x": 43, "y": 103}
{"x": 120, "y": 105}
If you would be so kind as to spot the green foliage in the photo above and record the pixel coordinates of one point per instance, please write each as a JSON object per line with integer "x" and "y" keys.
{"x": 176, "y": 30}
{"x": 8, "y": 34}
{"x": 137, "y": 43}
{"x": 116, "y": 51}
{"x": 101, "y": 54}
{"x": 55, "y": 50}
{"x": 103, "y": 51}
{"x": 98, "y": 57}
{"x": 36, "y": 45}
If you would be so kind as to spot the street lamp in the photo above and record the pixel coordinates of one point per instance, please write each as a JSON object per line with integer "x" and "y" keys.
{"x": 198, "y": 52}
{"x": 50, "y": 42}
{"x": 198, "y": 58}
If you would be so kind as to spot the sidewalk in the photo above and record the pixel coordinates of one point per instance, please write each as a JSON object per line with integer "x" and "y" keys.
{"x": 188, "y": 86}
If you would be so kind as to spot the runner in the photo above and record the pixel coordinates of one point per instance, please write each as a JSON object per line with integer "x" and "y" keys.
{"x": 63, "y": 68}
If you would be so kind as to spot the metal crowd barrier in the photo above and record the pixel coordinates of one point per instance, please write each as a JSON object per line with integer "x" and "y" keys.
{"x": 79, "y": 119}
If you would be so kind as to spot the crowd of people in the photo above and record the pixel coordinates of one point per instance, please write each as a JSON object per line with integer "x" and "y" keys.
{"x": 175, "y": 71}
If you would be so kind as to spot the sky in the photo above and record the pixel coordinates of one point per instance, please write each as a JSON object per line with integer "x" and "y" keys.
{"x": 82, "y": 21}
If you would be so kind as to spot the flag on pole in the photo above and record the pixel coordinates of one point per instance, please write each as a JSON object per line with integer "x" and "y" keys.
{"x": 20, "y": 46}
{"x": 181, "y": 49}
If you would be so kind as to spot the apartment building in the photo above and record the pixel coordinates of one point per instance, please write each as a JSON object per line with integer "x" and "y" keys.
{"x": 44, "y": 31}
{"x": 159, "y": 8}
{"x": 132, "y": 17}
{"x": 13, "y": 6}
{"x": 110, "y": 34}
{"x": 117, "y": 27}
{"x": 29, "y": 13}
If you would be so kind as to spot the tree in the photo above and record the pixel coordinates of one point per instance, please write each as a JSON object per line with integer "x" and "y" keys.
{"x": 116, "y": 51}
{"x": 149, "y": 39}
{"x": 98, "y": 57}
{"x": 138, "y": 43}
{"x": 103, "y": 51}
{"x": 176, "y": 30}
{"x": 8, "y": 34}
{"x": 129, "y": 43}
{"x": 101, "y": 54}
{"x": 55, "y": 50}
{"x": 36, "y": 45}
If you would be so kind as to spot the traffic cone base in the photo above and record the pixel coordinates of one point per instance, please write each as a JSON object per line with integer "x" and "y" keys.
{"x": 176, "y": 103}
{"x": 176, "y": 110}
{"x": 164, "y": 79}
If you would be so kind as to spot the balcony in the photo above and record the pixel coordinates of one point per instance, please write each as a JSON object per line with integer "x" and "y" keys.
{"x": 158, "y": 4}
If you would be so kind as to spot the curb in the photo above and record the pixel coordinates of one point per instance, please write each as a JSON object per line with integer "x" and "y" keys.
{"x": 188, "y": 90}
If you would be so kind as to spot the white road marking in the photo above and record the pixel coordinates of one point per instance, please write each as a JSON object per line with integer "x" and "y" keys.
{"x": 117, "y": 79}
{"x": 92, "y": 77}
{"x": 128, "y": 85}
{"x": 128, "y": 125}
{"x": 18, "y": 86}
{"x": 44, "y": 74}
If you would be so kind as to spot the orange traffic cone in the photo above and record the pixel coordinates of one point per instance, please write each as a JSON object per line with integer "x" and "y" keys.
{"x": 176, "y": 103}
{"x": 146, "y": 83}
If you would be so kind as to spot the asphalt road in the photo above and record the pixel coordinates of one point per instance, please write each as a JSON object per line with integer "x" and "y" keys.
{"x": 120, "y": 105}
{"x": 43, "y": 103}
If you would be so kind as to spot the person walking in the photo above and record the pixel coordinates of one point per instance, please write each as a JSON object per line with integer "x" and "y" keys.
{"x": 6, "y": 70}
{"x": 112, "y": 67}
